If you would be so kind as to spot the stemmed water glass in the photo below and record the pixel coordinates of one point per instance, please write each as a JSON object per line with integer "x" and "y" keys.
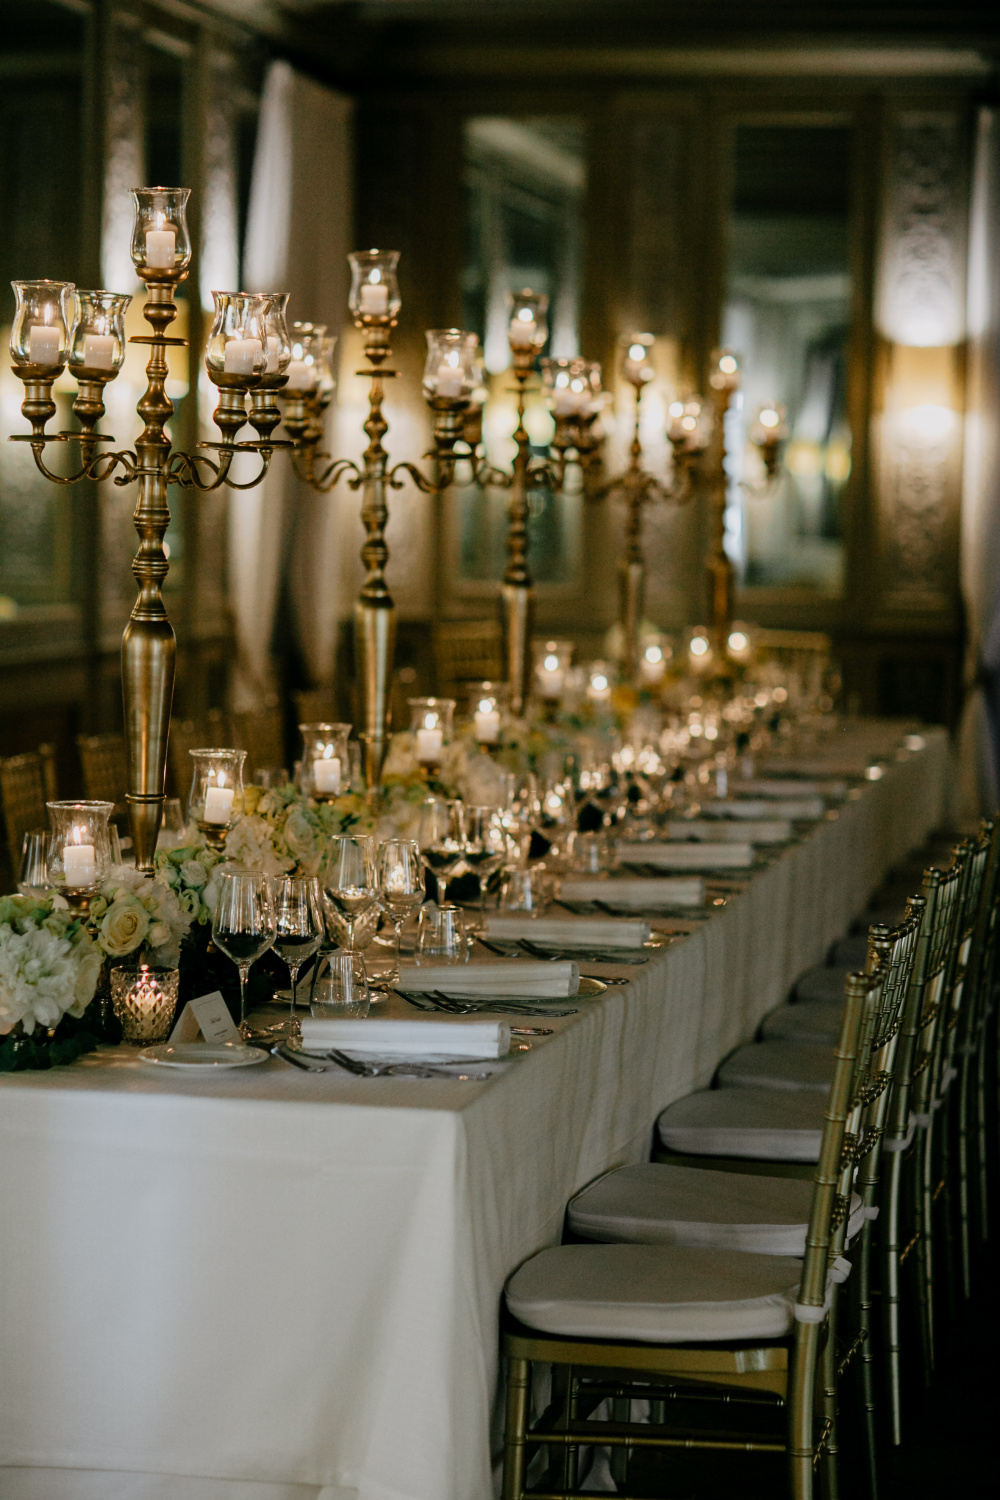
{"x": 244, "y": 926}
{"x": 521, "y": 815}
{"x": 33, "y": 871}
{"x": 348, "y": 878}
{"x": 441, "y": 836}
{"x": 299, "y": 926}
{"x": 400, "y": 884}
{"x": 485, "y": 848}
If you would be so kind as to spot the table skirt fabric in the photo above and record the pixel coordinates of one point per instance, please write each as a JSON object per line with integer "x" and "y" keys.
{"x": 277, "y": 1286}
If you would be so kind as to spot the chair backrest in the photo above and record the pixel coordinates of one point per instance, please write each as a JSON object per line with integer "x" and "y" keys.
{"x": 466, "y": 651}
{"x": 936, "y": 948}
{"x": 315, "y": 706}
{"x": 104, "y": 765}
{"x": 891, "y": 956}
{"x": 262, "y": 735}
{"x": 27, "y": 782}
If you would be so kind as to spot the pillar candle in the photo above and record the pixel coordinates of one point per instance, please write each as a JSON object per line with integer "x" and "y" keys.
{"x": 99, "y": 351}
{"x": 429, "y": 743}
{"x": 43, "y": 344}
{"x": 326, "y": 775}
{"x": 449, "y": 381}
{"x": 241, "y": 355}
{"x": 301, "y": 376}
{"x": 161, "y": 247}
{"x": 487, "y": 726}
{"x": 219, "y": 804}
{"x": 80, "y": 865}
{"x": 522, "y": 332}
{"x": 375, "y": 298}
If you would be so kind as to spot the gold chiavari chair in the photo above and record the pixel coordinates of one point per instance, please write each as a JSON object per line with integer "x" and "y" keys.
{"x": 466, "y": 651}
{"x": 27, "y": 782}
{"x": 261, "y": 734}
{"x": 659, "y": 1322}
{"x": 315, "y": 706}
{"x": 105, "y": 771}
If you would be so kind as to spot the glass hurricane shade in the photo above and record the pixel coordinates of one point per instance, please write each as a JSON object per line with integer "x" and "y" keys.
{"x": 600, "y": 677}
{"x": 79, "y": 855}
{"x": 552, "y": 661}
{"x": 44, "y": 314}
{"x": 161, "y": 244}
{"x": 216, "y": 797}
{"x": 431, "y": 727}
{"x": 326, "y": 767}
{"x": 374, "y": 298}
{"x": 768, "y": 427}
{"x": 278, "y": 340}
{"x": 306, "y": 365}
{"x": 487, "y": 705}
{"x": 725, "y": 368}
{"x": 528, "y": 328}
{"x": 690, "y": 423}
{"x": 450, "y": 372}
{"x": 97, "y": 339}
{"x": 237, "y": 342}
{"x": 569, "y": 386}
{"x": 637, "y": 358}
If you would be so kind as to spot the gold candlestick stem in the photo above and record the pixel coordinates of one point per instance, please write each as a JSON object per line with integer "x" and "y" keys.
{"x": 720, "y": 575}
{"x": 517, "y": 592}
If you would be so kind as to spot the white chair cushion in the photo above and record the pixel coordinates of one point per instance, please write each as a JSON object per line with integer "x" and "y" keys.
{"x": 655, "y": 1293}
{"x": 658, "y": 1204}
{"x": 815, "y": 1021}
{"x": 779, "y": 1065}
{"x": 747, "y": 1124}
{"x": 822, "y": 983}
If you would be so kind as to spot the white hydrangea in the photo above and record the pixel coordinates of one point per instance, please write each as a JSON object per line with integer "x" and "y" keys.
{"x": 43, "y": 977}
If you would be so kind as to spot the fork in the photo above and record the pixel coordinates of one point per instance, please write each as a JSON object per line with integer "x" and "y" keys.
{"x": 400, "y": 1069}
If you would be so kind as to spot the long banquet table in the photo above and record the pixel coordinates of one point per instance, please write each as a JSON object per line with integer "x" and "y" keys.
{"x": 265, "y": 1285}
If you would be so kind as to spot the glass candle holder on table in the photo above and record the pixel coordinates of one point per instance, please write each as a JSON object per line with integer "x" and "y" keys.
{"x": 487, "y": 707}
{"x": 216, "y": 798}
{"x": 79, "y": 853}
{"x": 145, "y": 1003}
{"x": 325, "y": 760}
{"x": 552, "y": 662}
{"x": 161, "y": 244}
{"x": 431, "y": 727}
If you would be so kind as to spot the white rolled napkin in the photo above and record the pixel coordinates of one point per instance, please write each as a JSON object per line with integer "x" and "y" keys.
{"x": 635, "y": 891}
{"x": 428, "y": 1037}
{"x": 688, "y": 856}
{"x": 757, "y": 831}
{"x": 527, "y": 978}
{"x": 573, "y": 932}
{"x": 796, "y": 799}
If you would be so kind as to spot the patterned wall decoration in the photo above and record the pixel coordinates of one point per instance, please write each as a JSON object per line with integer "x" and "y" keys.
{"x": 920, "y": 315}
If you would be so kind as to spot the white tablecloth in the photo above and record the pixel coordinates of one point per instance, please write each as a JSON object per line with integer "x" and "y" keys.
{"x": 270, "y": 1286}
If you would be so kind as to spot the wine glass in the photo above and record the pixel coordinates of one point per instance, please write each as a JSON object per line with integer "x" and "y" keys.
{"x": 521, "y": 815}
{"x": 442, "y": 838}
{"x": 485, "y": 848}
{"x": 299, "y": 926}
{"x": 400, "y": 884}
{"x": 348, "y": 877}
{"x": 243, "y": 926}
{"x": 33, "y": 871}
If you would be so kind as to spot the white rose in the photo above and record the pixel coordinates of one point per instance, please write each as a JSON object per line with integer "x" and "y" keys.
{"x": 299, "y": 834}
{"x": 124, "y": 927}
{"x": 194, "y": 874}
{"x": 159, "y": 933}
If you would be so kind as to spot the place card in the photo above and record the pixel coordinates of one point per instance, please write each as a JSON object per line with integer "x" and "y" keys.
{"x": 208, "y": 1016}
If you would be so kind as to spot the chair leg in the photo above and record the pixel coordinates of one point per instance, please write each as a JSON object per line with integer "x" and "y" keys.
{"x": 866, "y": 1328}
{"x": 925, "y": 1250}
{"x": 891, "y": 1309}
{"x": 621, "y": 1411}
{"x": 802, "y": 1412}
{"x": 963, "y": 1106}
{"x": 828, "y": 1375}
{"x": 982, "y": 1160}
{"x": 518, "y": 1387}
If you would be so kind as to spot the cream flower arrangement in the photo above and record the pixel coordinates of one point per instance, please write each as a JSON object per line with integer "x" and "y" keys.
{"x": 49, "y": 965}
{"x": 282, "y": 832}
{"x": 138, "y": 915}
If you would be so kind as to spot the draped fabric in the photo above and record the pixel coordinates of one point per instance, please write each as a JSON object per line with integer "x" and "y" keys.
{"x": 298, "y": 234}
{"x": 979, "y": 740}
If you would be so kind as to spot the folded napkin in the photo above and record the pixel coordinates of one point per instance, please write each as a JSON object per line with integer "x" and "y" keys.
{"x": 791, "y": 791}
{"x": 759, "y": 809}
{"x": 837, "y": 765}
{"x": 573, "y": 932}
{"x": 667, "y": 891}
{"x": 676, "y": 856}
{"x": 424, "y": 1038}
{"x": 758, "y": 831}
{"x": 513, "y": 976}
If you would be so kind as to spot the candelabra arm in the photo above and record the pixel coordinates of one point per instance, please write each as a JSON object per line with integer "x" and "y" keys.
{"x": 96, "y": 466}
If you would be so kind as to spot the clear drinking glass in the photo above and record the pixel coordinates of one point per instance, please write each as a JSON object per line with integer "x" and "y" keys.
{"x": 244, "y": 926}
{"x": 339, "y": 988}
{"x": 347, "y": 874}
{"x": 33, "y": 871}
{"x": 299, "y": 926}
{"x": 485, "y": 848}
{"x": 173, "y": 830}
{"x": 522, "y": 891}
{"x": 441, "y": 934}
{"x": 400, "y": 885}
{"x": 441, "y": 836}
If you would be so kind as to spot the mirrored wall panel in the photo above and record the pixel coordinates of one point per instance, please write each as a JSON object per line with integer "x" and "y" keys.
{"x": 786, "y": 314}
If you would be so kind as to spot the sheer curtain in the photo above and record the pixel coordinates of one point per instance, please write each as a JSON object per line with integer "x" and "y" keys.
{"x": 298, "y": 236}
{"x": 979, "y": 741}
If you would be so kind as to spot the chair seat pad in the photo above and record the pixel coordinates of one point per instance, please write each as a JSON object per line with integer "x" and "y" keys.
{"x": 814, "y": 1021}
{"x": 748, "y": 1124}
{"x": 659, "y": 1204}
{"x": 655, "y": 1293}
{"x": 825, "y": 982}
{"x": 779, "y": 1065}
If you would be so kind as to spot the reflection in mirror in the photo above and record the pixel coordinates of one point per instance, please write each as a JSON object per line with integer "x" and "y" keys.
{"x": 524, "y": 180}
{"x": 787, "y": 315}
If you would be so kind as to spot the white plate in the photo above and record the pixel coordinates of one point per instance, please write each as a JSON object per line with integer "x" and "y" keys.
{"x": 203, "y": 1055}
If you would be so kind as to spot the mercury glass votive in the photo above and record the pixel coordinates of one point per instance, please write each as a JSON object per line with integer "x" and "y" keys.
{"x": 145, "y": 1003}
{"x": 44, "y": 315}
{"x": 79, "y": 854}
{"x": 431, "y": 727}
{"x": 161, "y": 244}
{"x": 374, "y": 298}
{"x": 326, "y": 770}
{"x": 216, "y": 798}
